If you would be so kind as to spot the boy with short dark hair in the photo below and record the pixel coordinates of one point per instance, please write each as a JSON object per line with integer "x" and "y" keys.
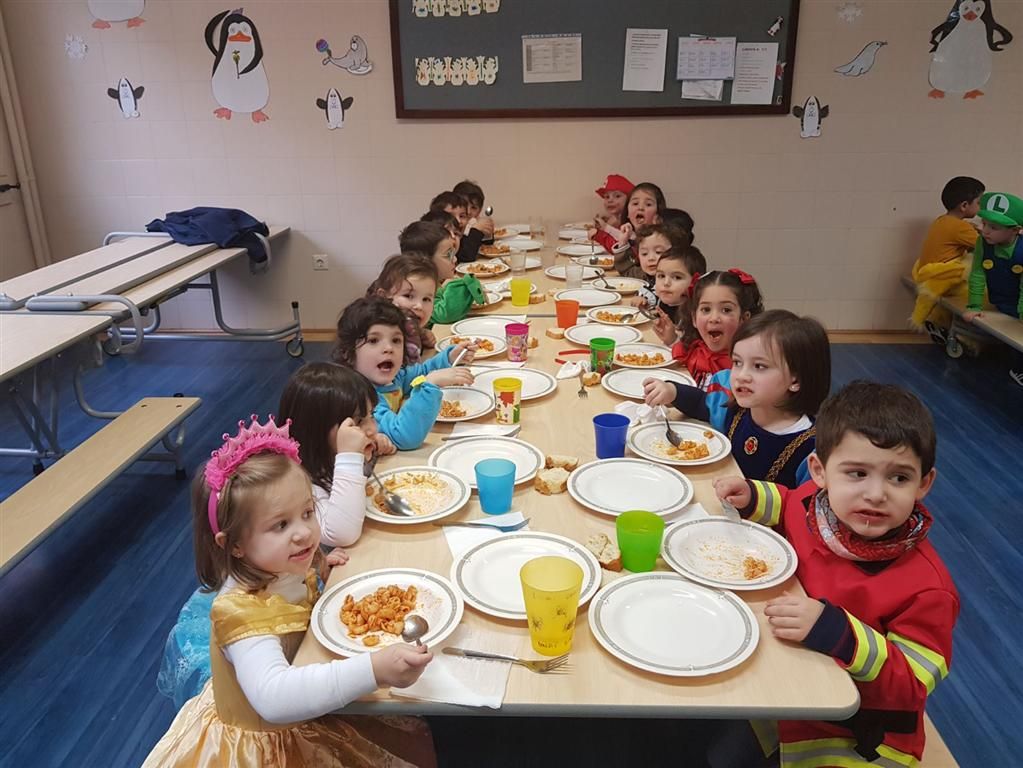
{"x": 880, "y": 600}
{"x": 472, "y": 233}
{"x": 943, "y": 263}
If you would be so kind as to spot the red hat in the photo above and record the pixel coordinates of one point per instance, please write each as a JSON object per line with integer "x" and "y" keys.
{"x": 616, "y": 183}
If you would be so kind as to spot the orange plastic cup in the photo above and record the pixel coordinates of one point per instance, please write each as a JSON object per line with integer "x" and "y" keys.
{"x": 568, "y": 312}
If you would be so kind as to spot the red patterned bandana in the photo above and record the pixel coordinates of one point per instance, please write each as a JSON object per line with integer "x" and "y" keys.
{"x": 826, "y": 526}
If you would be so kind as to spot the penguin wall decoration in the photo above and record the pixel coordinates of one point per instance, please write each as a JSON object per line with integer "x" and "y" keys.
{"x": 239, "y": 80}
{"x": 810, "y": 116}
{"x": 961, "y": 48}
{"x": 355, "y": 60}
{"x": 106, "y": 11}
{"x": 334, "y": 107}
{"x": 127, "y": 98}
{"x": 863, "y": 62}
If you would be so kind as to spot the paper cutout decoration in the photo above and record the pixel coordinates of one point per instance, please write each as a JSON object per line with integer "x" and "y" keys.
{"x": 75, "y": 47}
{"x": 437, "y": 8}
{"x": 106, "y": 11}
{"x": 849, "y": 12}
{"x": 864, "y": 60}
{"x": 127, "y": 98}
{"x": 961, "y": 48}
{"x": 810, "y": 116}
{"x": 779, "y": 70}
{"x": 239, "y": 80}
{"x": 775, "y": 28}
{"x": 355, "y": 60}
{"x": 461, "y": 70}
{"x": 334, "y": 107}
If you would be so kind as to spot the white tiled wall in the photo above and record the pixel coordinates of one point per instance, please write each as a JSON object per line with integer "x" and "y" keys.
{"x": 827, "y": 225}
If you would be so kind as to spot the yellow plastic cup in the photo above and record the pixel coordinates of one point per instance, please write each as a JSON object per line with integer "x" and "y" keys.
{"x": 508, "y": 394}
{"x": 520, "y": 287}
{"x": 550, "y": 588}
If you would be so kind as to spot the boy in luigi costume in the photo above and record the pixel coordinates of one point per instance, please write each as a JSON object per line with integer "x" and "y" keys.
{"x": 998, "y": 263}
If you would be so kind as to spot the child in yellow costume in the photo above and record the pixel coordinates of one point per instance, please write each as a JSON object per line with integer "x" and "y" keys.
{"x": 256, "y": 539}
{"x": 945, "y": 258}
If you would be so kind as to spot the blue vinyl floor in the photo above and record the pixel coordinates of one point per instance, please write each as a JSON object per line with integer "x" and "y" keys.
{"x": 84, "y": 617}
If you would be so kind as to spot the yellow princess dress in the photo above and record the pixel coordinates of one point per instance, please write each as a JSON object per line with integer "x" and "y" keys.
{"x": 220, "y": 728}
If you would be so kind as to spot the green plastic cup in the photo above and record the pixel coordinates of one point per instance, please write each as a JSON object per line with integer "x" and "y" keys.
{"x": 639, "y": 539}
{"x": 602, "y": 353}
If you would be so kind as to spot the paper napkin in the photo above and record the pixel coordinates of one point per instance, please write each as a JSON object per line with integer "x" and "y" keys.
{"x": 571, "y": 370}
{"x": 461, "y": 539}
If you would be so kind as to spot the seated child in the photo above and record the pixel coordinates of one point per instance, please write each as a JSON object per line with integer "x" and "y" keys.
{"x": 472, "y": 237}
{"x": 473, "y": 194}
{"x": 681, "y": 219}
{"x": 652, "y": 242}
{"x": 766, "y": 403}
{"x": 675, "y": 272}
{"x": 409, "y": 281}
{"x": 643, "y": 206}
{"x": 455, "y": 295}
{"x": 257, "y": 547}
{"x": 944, "y": 259}
{"x": 717, "y": 305}
{"x": 879, "y": 599}
{"x": 614, "y": 193}
{"x": 371, "y": 339}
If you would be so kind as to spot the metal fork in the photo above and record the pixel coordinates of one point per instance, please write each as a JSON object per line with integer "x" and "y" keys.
{"x": 582, "y": 387}
{"x": 673, "y": 437}
{"x": 538, "y": 665}
{"x": 505, "y": 528}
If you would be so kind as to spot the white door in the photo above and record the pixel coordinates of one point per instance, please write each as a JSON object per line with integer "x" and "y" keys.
{"x": 15, "y": 243}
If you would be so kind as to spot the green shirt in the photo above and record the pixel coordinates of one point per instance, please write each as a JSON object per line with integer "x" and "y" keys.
{"x": 455, "y": 298}
{"x": 978, "y": 278}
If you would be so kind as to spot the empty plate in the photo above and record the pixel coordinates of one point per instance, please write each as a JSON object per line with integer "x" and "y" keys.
{"x": 581, "y": 249}
{"x": 572, "y": 233}
{"x": 522, "y": 243}
{"x": 583, "y": 334}
{"x": 489, "y": 325}
{"x": 558, "y": 272}
{"x": 621, "y": 284}
{"x": 609, "y": 486}
{"x": 628, "y": 382}
{"x": 461, "y": 456}
{"x": 663, "y": 623}
{"x": 465, "y": 403}
{"x": 534, "y": 383}
{"x": 589, "y": 297}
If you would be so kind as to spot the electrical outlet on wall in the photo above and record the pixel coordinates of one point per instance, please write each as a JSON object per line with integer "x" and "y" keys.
{"x": 320, "y": 263}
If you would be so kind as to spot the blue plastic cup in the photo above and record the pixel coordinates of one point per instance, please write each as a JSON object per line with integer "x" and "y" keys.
{"x": 495, "y": 480}
{"x": 610, "y": 430}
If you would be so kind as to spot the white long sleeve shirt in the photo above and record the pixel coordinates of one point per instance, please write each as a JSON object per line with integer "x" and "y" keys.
{"x": 281, "y": 693}
{"x": 342, "y": 511}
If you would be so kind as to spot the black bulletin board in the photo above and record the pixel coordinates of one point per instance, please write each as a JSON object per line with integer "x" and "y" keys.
{"x": 603, "y": 25}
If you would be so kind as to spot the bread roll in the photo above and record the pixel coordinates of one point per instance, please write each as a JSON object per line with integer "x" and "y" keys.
{"x": 555, "y": 333}
{"x": 607, "y": 554}
{"x": 564, "y": 462}
{"x": 591, "y": 379}
{"x": 551, "y": 481}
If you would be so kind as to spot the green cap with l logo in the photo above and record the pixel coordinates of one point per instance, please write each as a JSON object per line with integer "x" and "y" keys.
{"x": 1002, "y": 208}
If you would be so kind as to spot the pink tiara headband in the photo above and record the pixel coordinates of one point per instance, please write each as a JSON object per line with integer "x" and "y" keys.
{"x": 250, "y": 440}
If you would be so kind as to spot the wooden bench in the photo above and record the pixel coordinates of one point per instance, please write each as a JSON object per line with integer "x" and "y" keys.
{"x": 936, "y": 754}
{"x": 1006, "y": 329}
{"x": 46, "y": 501}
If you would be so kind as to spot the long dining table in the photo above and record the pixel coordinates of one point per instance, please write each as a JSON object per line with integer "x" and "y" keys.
{"x": 780, "y": 680}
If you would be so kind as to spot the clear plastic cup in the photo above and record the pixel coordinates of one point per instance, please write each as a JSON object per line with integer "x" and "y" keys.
{"x": 573, "y": 275}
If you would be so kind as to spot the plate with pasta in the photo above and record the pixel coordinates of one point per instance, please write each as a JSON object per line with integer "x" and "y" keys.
{"x": 364, "y": 612}
{"x": 729, "y": 554}
{"x": 700, "y": 444}
{"x": 464, "y": 404}
{"x": 486, "y": 346}
{"x": 643, "y": 355}
{"x": 483, "y": 268}
{"x": 432, "y": 492}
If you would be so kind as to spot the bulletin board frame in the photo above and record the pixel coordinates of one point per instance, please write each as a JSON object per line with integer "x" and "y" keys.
{"x": 403, "y": 69}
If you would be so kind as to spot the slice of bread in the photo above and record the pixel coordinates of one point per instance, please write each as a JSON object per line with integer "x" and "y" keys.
{"x": 605, "y": 551}
{"x": 564, "y": 462}
{"x": 537, "y": 298}
{"x": 534, "y": 342}
{"x": 551, "y": 481}
{"x": 591, "y": 379}
{"x": 555, "y": 333}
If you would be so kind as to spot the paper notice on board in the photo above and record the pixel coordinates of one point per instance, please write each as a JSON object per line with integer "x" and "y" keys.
{"x": 552, "y": 58}
{"x": 755, "y": 65}
{"x": 704, "y": 90}
{"x": 646, "y": 51}
{"x": 705, "y": 58}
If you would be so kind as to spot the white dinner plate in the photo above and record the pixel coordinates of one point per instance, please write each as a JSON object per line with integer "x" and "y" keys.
{"x": 644, "y": 349}
{"x": 534, "y": 383}
{"x": 581, "y": 249}
{"x": 637, "y": 317}
{"x": 456, "y": 497}
{"x": 494, "y": 268}
{"x": 623, "y": 285}
{"x": 583, "y": 334}
{"x": 589, "y": 297}
{"x": 518, "y": 229}
{"x": 475, "y": 401}
{"x": 613, "y": 486}
{"x": 487, "y": 575}
{"x": 503, "y": 287}
{"x": 530, "y": 262}
{"x": 488, "y": 325}
{"x": 557, "y": 272}
{"x": 628, "y": 382}
{"x": 437, "y": 602}
{"x": 603, "y": 262}
{"x": 498, "y": 342}
{"x": 571, "y": 233}
{"x": 711, "y": 551}
{"x": 492, "y": 297}
{"x": 650, "y": 442}
{"x": 522, "y": 242}
{"x": 659, "y": 622}
{"x": 461, "y": 456}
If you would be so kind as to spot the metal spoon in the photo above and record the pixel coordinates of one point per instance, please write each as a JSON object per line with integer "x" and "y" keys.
{"x": 395, "y": 503}
{"x": 415, "y": 627}
{"x": 673, "y": 437}
{"x": 489, "y": 210}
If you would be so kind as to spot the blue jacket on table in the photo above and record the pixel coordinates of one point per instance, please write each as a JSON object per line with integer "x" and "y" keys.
{"x": 227, "y": 227}
{"x": 760, "y": 454}
{"x": 405, "y": 413}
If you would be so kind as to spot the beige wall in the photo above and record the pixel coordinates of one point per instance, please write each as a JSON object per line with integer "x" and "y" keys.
{"x": 827, "y": 225}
